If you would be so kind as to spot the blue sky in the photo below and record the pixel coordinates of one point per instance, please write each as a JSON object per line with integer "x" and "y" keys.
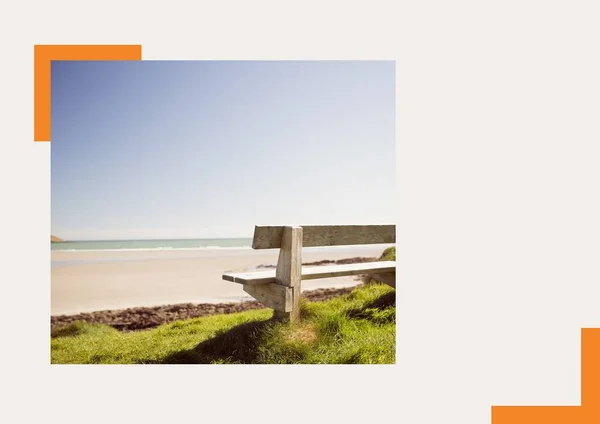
{"x": 178, "y": 149}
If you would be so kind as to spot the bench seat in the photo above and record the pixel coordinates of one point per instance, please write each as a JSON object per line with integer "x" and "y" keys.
{"x": 314, "y": 272}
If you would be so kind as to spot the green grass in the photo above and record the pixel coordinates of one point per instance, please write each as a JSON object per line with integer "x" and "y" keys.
{"x": 359, "y": 327}
{"x": 388, "y": 254}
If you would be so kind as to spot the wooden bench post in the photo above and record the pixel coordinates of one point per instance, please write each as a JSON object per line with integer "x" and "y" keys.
{"x": 289, "y": 270}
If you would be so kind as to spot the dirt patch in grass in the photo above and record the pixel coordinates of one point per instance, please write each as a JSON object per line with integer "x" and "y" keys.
{"x": 305, "y": 333}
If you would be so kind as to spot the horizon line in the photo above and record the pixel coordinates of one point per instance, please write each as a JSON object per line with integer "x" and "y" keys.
{"x": 158, "y": 239}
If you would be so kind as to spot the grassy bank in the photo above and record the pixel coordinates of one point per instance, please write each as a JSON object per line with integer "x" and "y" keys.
{"x": 356, "y": 328}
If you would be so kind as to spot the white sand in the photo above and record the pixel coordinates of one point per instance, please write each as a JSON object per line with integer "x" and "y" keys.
{"x": 99, "y": 280}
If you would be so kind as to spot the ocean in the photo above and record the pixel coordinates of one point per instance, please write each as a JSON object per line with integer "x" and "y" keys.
{"x": 144, "y": 245}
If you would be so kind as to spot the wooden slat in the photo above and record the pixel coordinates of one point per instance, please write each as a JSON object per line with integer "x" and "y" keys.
{"x": 328, "y": 271}
{"x": 253, "y": 278}
{"x": 315, "y": 272}
{"x": 327, "y": 235}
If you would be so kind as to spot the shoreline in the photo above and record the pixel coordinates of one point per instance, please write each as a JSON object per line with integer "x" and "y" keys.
{"x": 85, "y": 282}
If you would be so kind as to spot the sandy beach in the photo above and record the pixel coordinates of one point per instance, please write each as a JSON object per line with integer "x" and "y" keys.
{"x": 87, "y": 281}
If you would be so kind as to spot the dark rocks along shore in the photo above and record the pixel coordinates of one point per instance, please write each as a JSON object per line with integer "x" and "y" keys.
{"x": 142, "y": 318}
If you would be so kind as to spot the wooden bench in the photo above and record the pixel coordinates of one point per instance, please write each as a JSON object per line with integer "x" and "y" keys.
{"x": 280, "y": 288}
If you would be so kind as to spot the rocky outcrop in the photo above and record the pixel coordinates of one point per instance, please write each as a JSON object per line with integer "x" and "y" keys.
{"x": 54, "y": 239}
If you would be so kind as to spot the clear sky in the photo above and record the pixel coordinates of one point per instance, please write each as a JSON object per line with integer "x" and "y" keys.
{"x": 178, "y": 149}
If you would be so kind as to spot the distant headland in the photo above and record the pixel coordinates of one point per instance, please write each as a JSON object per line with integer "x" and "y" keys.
{"x": 54, "y": 239}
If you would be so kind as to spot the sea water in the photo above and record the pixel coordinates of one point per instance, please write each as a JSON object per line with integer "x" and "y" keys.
{"x": 144, "y": 245}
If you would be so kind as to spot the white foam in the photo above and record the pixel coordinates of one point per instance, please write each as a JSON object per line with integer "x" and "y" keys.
{"x": 150, "y": 249}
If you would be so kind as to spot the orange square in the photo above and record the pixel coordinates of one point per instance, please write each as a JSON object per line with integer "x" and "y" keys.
{"x": 42, "y": 57}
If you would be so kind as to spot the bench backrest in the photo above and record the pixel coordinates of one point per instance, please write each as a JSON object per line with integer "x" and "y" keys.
{"x": 327, "y": 235}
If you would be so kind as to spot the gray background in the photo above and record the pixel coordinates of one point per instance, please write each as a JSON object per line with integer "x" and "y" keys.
{"x": 498, "y": 229}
